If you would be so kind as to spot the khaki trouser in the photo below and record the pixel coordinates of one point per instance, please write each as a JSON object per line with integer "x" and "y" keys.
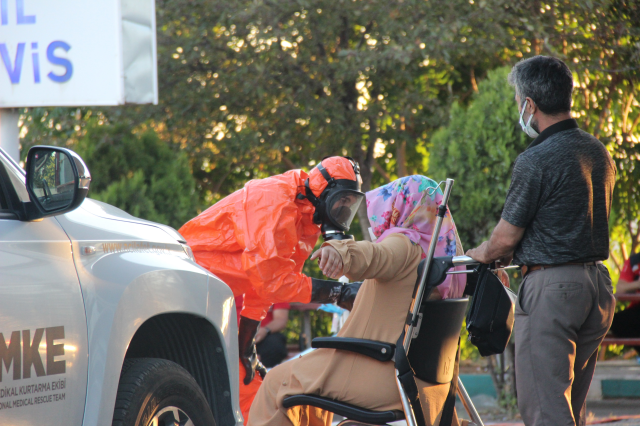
{"x": 289, "y": 378}
{"x": 562, "y": 315}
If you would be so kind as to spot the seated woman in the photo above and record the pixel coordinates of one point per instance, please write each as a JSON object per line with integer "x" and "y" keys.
{"x": 402, "y": 216}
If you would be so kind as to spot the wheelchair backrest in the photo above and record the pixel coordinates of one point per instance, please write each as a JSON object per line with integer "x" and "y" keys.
{"x": 433, "y": 352}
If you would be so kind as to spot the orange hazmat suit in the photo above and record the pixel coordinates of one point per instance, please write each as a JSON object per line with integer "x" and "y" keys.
{"x": 257, "y": 239}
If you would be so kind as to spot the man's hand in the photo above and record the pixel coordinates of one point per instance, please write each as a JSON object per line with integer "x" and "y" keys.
{"x": 500, "y": 247}
{"x": 480, "y": 253}
{"x": 261, "y": 334}
{"x": 279, "y": 320}
{"x": 330, "y": 262}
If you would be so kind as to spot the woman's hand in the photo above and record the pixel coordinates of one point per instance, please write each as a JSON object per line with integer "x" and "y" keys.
{"x": 330, "y": 262}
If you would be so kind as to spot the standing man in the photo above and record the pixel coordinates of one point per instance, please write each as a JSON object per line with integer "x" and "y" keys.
{"x": 555, "y": 225}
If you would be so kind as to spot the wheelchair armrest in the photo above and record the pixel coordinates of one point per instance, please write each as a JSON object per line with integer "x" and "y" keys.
{"x": 381, "y": 351}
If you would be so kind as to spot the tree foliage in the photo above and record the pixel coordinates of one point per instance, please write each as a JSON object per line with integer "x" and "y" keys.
{"x": 139, "y": 174}
{"x": 283, "y": 84}
{"x": 601, "y": 43}
{"x": 253, "y": 88}
{"x": 477, "y": 149}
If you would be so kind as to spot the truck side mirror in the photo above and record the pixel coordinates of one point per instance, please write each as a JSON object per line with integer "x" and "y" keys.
{"x": 57, "y": 181}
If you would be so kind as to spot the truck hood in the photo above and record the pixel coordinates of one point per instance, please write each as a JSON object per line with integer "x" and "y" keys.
{"x": 107, "y": 211}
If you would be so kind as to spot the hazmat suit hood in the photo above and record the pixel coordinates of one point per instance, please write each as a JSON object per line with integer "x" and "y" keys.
{"x": 333, "y": 187}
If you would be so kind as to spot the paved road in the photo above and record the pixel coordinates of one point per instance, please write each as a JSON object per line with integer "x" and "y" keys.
{"x": 606, "y": 412}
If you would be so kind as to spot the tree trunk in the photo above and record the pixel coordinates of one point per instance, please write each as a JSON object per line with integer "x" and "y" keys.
{"x": 401, "y": 158}
{"x": 606, "y": 106}
{"x": 474, "y": 83}
{"x": 497, "y": 378}
{"x": 615, "y": 261}
{"x": 288, "y": 163}
{"x": 511, "y": 372}
{"x": 382, "y": 171}
{"x": 366, "y": 160}
{"x": 364, "y": 221}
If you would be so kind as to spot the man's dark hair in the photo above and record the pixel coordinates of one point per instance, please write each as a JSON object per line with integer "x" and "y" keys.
{"x": 546, "y": 80}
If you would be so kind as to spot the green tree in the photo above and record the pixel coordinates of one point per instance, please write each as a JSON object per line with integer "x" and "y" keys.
{"x": 601, "y": 43}
{"x": 252, "y": 88}
{"x": 477, "y": 149}
{"x": 283, "y": 84}
{"x": 138, "y": 173}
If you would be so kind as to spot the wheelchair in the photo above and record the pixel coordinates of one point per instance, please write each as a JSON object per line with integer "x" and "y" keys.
{"x": 428, "y": 353}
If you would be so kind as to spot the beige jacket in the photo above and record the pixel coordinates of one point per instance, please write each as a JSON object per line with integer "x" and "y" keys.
{"x": 389, "y": 271}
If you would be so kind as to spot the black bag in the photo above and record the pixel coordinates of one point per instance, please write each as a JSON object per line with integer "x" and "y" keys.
{"x": 490, "y": 318}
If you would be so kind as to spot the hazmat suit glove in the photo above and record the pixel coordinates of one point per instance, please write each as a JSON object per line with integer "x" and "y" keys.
{"x": 325, "y": 291}
{"x": 348, "y": 295}
{"x": 247, "y": 347}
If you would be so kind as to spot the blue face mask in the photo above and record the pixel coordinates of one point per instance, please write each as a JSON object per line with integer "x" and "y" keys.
{"x": 527, "y": 127}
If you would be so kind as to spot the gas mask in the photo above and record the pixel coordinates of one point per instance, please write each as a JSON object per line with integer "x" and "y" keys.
{"x": 530, "y": 131}
{"x": 337, "y": 205}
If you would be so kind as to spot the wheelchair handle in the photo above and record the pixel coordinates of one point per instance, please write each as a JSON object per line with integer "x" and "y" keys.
{"x": 463, "y": 260}
{"x": 466, "y": 260}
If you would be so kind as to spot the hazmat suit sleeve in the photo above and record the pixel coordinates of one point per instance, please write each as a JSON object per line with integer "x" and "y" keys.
{"x": 272, "y": 258}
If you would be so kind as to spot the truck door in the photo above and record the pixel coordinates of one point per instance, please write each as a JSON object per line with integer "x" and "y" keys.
{"x": 43, "y": 331}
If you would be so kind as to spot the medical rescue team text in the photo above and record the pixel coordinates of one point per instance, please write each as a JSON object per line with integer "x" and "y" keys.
{"x": 13, "y": 64}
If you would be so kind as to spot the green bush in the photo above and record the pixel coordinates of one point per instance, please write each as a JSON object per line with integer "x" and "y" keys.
{"x": 477, "y": 149}
{"x": 139, "y": 174}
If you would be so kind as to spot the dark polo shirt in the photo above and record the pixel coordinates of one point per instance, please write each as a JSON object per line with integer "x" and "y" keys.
{"x": 561, "y": 191}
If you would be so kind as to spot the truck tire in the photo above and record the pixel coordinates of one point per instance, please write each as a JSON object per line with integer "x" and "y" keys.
{"x": 158, "y": 392}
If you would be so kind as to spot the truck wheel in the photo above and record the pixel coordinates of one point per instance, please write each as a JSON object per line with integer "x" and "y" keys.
{"x": 158, "y": 392}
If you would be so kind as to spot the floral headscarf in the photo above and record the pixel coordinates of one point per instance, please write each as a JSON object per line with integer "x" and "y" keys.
{"x": 409, "y": 206}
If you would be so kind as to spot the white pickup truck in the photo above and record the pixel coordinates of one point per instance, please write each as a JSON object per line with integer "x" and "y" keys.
{"x": 105, "y": 319}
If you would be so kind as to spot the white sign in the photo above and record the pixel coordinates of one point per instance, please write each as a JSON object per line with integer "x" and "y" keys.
{"x": 77, "y": 52}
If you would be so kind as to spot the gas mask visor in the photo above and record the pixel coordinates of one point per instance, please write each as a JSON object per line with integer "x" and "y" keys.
{"x": 342, "y": 206}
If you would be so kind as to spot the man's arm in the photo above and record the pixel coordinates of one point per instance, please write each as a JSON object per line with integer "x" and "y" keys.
{"x": 500, "y": 247}
{"x": 628, "y": 281}
{"x": 280, "y": 319}
{"x": 278, "y": 323}
{"x": 625, "y": 286}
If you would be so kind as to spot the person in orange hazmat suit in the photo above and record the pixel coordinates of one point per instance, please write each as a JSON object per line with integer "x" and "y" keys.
{"x": 257, "y": 239}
